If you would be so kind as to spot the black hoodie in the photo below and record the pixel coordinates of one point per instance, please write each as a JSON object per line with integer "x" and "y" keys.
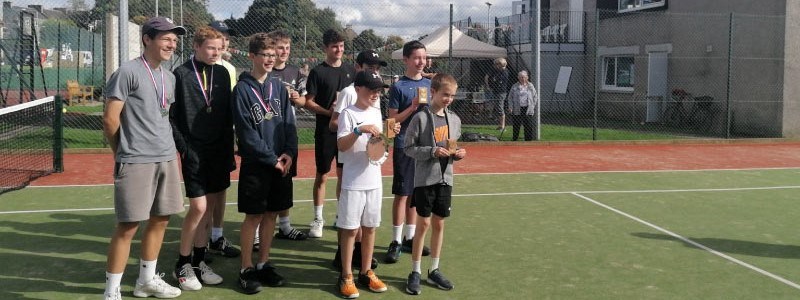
{"x": 194, "y": 128}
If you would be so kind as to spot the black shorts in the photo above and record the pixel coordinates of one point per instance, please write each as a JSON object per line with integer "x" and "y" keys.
{"x": 262, "y": 189}
{"x": 206, "y": 172}
{"x": 325, "y": 151}
{"x": 434, "y": 199}
{"x": 403, "y": 179}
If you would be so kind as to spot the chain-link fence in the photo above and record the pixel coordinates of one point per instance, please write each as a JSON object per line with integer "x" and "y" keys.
{"x": 604, "y": 75}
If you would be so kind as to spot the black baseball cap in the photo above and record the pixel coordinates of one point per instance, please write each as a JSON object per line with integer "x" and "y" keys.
{"x": 162, "y": 24}
{"x": 222, "y": 27}
{"x": 370, "y": 57}
{"x": 370, "y": 80}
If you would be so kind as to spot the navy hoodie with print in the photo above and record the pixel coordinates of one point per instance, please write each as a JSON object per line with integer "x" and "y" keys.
{"x": 265, "y": 128}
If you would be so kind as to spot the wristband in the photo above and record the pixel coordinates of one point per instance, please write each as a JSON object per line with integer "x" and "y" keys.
{"x": 356, "y": 131}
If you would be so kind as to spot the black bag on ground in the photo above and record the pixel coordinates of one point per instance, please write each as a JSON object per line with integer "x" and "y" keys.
{"x": 478, "y": 137}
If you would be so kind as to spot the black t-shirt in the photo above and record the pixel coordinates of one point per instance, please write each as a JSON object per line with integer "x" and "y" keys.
{"x": 499, "y": 81}
{"x": 289, "y": 74}
{"x": 323, "y": 83}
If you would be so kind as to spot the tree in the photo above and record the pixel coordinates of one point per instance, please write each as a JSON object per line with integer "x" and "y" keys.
{"x": 394, "y": 42}
{"x": 367, "y": 40}
{"x": 301, "y": 19}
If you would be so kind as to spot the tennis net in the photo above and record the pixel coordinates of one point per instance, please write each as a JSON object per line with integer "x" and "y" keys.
{"x": 27, "y": 140}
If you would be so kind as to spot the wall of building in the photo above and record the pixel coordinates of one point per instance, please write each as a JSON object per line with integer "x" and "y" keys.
{"x": 791, "y": 72}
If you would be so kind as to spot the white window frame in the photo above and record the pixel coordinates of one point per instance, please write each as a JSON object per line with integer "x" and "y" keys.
{"x": 640, "y": 5}
{"x": 615, "y": 87}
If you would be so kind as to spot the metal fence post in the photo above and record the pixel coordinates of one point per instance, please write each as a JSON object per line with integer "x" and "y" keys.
{"x": 728, "y": 83}
{"x": 58, "y": 135}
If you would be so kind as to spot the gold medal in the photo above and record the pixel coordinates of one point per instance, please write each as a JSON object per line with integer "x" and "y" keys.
{"x": 268, "y": 116}
{"x": 208, "y": 109}
{"x": 164, "y": 112}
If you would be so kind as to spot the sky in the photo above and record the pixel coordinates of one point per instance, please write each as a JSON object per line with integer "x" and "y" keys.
{"x": 406, "y": 18}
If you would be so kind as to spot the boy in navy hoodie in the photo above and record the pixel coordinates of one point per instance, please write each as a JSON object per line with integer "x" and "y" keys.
{"x": 267, "y": 139}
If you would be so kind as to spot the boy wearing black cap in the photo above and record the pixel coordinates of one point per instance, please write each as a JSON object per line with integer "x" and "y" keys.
{"x": 359, "y": 205}
{"x": 218, "y": 244}
{"x": 371, "y": 62}
{"x": 146, "y": 173}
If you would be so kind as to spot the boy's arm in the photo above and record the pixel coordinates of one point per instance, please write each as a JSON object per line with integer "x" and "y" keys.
{"x": 455, "y": 121}
{"x": 290, "y": 130}
{"x": 412, "y": 146}
{"x": 111, "y": 122}
{"x": 177, "y": 134}
{"x": 342, "y": 101}
{"x": 250, "y": 143}
{"x": 395, "y": 96}
{"x": 345, "y": 137}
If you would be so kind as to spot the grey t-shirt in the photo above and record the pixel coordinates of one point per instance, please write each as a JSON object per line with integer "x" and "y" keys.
{"x": 145, "y": 135}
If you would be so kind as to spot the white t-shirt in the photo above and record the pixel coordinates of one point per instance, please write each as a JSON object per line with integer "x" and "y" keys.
{"x": 358, "y": 173}
{"x": 347, "y": 96}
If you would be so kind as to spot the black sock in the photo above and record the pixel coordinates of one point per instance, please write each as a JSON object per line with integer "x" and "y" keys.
{"x": 199, "y": 255}
{"x": 182, "y": 260}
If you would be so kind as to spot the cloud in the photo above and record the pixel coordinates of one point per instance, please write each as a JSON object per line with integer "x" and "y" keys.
{"x": 409, "y": 19}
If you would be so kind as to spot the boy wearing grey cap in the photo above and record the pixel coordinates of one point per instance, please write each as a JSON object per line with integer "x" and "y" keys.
{"x": 146, "y": 174}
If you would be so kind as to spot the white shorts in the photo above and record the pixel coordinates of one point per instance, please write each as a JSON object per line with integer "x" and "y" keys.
{"x": 357, "y": 208}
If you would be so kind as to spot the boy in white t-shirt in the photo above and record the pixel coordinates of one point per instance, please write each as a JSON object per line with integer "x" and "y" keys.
{"x": 360, "y": 200}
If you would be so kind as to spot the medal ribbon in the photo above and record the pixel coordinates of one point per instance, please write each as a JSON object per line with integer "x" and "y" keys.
{"x": 200, "y": 82}
{"x": 267, "y": 106}
{"x": 153, "y": 78}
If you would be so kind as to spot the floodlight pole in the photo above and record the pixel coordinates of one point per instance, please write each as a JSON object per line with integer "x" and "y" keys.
{"x": 123, "y": 32}
{"x": 488, "y": 19}
{"x": 538, "y": 60}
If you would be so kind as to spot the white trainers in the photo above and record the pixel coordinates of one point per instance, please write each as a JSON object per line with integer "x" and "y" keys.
{"x": 207, "y": 275}
{"x": 186, "y": 277}
{"x": 316, "y": 228}
{"x": 115, "y": 295}
{"x": 156, "y": 287}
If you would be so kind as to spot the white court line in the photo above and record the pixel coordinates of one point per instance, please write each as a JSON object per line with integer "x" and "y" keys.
{"x": 514, "y": 173}
{"x": 471, "y": 195}
{"x": 693, "y": 243}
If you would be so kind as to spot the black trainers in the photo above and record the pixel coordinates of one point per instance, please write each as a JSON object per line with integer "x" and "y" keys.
{"x": 437, "y": 279}
{"x": 393, "y": 255}
{"x": 269, "y": 277}
{"x": 412, "y": 285}
{"x": 408, "y": 246}
{"x": 223, "y": 247}
{"x": 293, "y": 234}
{"x": 248, "y": 281}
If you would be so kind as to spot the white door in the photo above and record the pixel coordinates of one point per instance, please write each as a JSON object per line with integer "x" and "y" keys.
{"x": 656, "y": 85}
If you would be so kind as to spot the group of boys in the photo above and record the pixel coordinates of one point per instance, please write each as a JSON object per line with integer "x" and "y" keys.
{"x": 196, "y": 111}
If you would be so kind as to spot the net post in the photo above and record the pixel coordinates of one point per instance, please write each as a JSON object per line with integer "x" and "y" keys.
{"x": 58, "y": 135}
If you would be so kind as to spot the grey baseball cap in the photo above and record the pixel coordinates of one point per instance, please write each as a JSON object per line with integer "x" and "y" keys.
{"x": 162, "y": 24}
{"x": 222, "y": 27}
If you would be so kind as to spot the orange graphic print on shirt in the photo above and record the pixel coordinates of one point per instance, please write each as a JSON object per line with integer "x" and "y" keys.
{"x": 440, "y": 134}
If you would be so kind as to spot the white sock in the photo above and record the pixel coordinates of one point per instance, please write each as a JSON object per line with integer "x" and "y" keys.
{"x": 397, "y": 233}
{"x": 434, "y": 263}
{"x": 410, "y": 231}
{"x": 318, "y": 212}
{"x": 216, "y": 233}
{"x": 260, "y": 266}
{"x": 415, "y": 266}
{"x": 285, "y": 224}
{"x": 112, "y": 282}
{"x": 147, "y": 270}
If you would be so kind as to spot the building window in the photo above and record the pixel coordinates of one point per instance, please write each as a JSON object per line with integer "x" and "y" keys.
{"x": 633, "y": 5}
{"x": 618, "y": 73}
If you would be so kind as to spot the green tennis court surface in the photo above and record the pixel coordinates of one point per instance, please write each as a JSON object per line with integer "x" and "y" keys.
{"x": 613, "y": 235}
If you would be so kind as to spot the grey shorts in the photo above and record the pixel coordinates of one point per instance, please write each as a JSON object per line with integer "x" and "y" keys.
{"x": 147, "y": 189}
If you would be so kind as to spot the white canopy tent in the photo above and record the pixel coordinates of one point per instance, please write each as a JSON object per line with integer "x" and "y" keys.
{"x": 437, "y": 45}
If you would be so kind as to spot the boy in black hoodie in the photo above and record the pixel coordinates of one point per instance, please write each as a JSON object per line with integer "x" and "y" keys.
{"x": 267, "y": 139}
